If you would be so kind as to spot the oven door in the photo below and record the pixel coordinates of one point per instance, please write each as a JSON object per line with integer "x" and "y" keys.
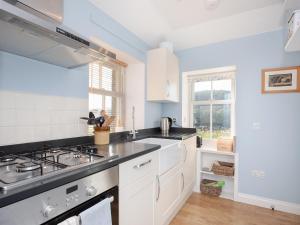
{"x": 112, "y": 193}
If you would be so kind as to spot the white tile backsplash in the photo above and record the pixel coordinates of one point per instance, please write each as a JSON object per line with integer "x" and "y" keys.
{"x": 26, "y": 117}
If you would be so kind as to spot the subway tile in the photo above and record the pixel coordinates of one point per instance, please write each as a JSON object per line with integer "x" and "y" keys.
{"x": 8, "y": 135}
{"x": 25, "y": 134}
{"x": 7, "y": 100}
{"x": 7, "y": 117}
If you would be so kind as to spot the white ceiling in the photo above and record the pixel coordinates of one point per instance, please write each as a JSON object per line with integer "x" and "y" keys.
{"x": 190, "y": 23}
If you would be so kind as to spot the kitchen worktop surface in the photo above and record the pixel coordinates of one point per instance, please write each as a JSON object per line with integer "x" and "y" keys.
{"x": 122, "y": 147}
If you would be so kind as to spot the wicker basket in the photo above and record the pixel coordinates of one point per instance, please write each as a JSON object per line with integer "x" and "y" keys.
{"x": 223, "y": 168}
{"x": 207, "y": 188}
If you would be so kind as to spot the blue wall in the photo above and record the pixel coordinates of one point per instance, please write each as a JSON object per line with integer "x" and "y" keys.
{"x": 88, "y": 20}
{"x": 275, "y": 148}
{"x": 23, "y": 74}
{"x": 26, "y": 75}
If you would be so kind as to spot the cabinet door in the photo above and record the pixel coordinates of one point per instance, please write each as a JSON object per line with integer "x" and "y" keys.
{"x": 172, "y": 80}
{"x": 189, "y": 164}
{"x": 170, "y": 187}
{"x": 137, "y": 203}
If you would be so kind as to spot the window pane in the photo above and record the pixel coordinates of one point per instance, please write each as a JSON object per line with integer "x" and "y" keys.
{"x": 221, "y": 121}
{"x": 202, "y": 90}
{"x": 221, "y": 89}
{"x": 202, "y": 120}
{"x": 108, "y": 105}
{"x": 107, "y": 78}
{"x": 95, "y": 102}
{"x": 94, "y": 77}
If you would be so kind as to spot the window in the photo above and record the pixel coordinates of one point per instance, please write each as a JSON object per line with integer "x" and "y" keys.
{"x": 212, "y": 104}
{"x": 106, "y": 91}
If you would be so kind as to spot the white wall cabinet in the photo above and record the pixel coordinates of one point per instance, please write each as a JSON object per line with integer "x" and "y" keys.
{"x": 162, "y": 76}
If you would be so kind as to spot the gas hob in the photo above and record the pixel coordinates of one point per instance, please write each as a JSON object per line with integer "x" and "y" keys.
{"x": 20, "y": 169}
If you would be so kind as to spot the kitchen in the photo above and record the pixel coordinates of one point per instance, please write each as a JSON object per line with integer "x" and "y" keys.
{"x": 92, "y": 107}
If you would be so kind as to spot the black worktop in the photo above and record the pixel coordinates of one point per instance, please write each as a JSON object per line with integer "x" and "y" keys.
{"x": 121, "y": 146}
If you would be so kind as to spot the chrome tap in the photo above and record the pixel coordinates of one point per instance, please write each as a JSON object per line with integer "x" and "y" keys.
{"x": 133, "y": 132}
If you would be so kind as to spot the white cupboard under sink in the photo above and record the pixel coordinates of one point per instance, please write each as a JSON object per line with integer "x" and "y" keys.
{"x": 155, "y": 186}
{"x": 162, "y": 76}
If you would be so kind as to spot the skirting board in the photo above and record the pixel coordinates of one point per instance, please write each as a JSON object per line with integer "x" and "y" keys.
{"x": 269, "y": 203}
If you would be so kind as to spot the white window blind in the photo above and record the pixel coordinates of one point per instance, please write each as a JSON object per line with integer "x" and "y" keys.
{"x": 106, "y": 91}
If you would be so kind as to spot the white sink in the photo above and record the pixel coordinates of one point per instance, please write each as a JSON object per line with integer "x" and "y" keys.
{"x": 169, "y": 153}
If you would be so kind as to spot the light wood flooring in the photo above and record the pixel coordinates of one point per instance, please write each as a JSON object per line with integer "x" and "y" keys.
{"x": 205, "y": 210}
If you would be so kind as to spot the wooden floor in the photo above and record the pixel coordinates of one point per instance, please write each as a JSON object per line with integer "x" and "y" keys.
{"x": 205, "y": 210}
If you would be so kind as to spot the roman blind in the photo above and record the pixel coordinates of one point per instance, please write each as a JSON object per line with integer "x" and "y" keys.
{"x": 106, "y": 91}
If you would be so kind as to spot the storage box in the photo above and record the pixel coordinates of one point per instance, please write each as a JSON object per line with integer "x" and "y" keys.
{"x": 294, "y": 23}
{"x": 225, "y": 145}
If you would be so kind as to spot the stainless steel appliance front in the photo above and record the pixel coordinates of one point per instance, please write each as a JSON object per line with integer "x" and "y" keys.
{"x": 48, "y": 205}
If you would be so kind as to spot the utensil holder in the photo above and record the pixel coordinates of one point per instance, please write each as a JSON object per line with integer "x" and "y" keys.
{"x": 101, "y": 136}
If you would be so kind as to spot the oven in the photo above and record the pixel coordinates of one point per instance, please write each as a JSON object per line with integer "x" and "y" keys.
{"x": 56, "y": 205}
{"x": 112, "y": 194}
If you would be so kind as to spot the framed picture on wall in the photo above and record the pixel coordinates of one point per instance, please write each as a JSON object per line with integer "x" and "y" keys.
{"x": 281, "y": 80}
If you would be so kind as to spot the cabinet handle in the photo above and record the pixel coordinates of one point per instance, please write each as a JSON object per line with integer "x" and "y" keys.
{"x": 183, "y": 183}
{"x": 186, "y": 152}
{"x": 158, "y": 188}
{"x": 142, "y": 164}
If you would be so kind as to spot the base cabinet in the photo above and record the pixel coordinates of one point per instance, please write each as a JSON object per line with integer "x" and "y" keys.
{"x": 170, "y": 186}
{"x": 138, "y": 203}
{"x": 149, "y": 199}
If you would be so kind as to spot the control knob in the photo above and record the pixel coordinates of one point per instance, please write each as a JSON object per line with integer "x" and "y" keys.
{"x": 91, "y": 191}
{"x": 48, "y": 211}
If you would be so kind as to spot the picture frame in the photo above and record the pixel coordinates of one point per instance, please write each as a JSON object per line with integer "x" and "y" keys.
{"x": 280, "y": 80}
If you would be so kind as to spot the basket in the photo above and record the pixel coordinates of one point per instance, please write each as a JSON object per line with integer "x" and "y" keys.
{"x": 223, "y": 168}
{"x": 207, "y": 188}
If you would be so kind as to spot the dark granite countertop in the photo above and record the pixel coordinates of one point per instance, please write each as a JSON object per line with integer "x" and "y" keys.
{"x": 121, "y": 145}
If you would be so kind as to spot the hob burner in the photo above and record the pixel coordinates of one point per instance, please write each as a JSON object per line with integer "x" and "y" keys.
{"x": 27, "y": 166}
{"x": 9, "y": 158}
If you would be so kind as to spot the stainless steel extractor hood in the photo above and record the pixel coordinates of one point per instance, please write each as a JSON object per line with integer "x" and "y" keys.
{"x": 28, "y": 32}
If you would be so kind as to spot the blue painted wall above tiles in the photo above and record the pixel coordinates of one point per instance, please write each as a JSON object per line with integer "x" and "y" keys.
{"x": 275, "y": 147}
{"x": 91, "y": 22}
{"x": 26, "y": 75}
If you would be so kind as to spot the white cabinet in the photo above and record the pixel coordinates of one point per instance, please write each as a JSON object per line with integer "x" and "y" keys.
{"x": 162, "y": 76}
{"x": 170, "y": 188}
{"x": 189, "y": 165}
{"x": 138, "y": 190}
{"x": 151, "y": 198}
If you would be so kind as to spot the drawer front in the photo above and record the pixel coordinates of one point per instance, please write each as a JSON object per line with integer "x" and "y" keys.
{"x": 137, "y": 168}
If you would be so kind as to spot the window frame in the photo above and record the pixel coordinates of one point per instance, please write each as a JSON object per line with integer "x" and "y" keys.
{"x": 192, "y": 79}
{"x": 119, "y": 95}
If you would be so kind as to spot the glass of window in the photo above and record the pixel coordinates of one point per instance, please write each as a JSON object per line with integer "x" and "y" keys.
{"x": 221, "y": 121}
{"x": 107, "y": 78}
{"x": 221, "y": 89}
{"x": 95, "y": 102}
{"x": 202, "y": 91}
{"x": 202, "y": 120}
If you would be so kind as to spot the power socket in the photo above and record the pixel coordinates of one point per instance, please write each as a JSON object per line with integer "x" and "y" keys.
{"x": 258, "y": 173}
